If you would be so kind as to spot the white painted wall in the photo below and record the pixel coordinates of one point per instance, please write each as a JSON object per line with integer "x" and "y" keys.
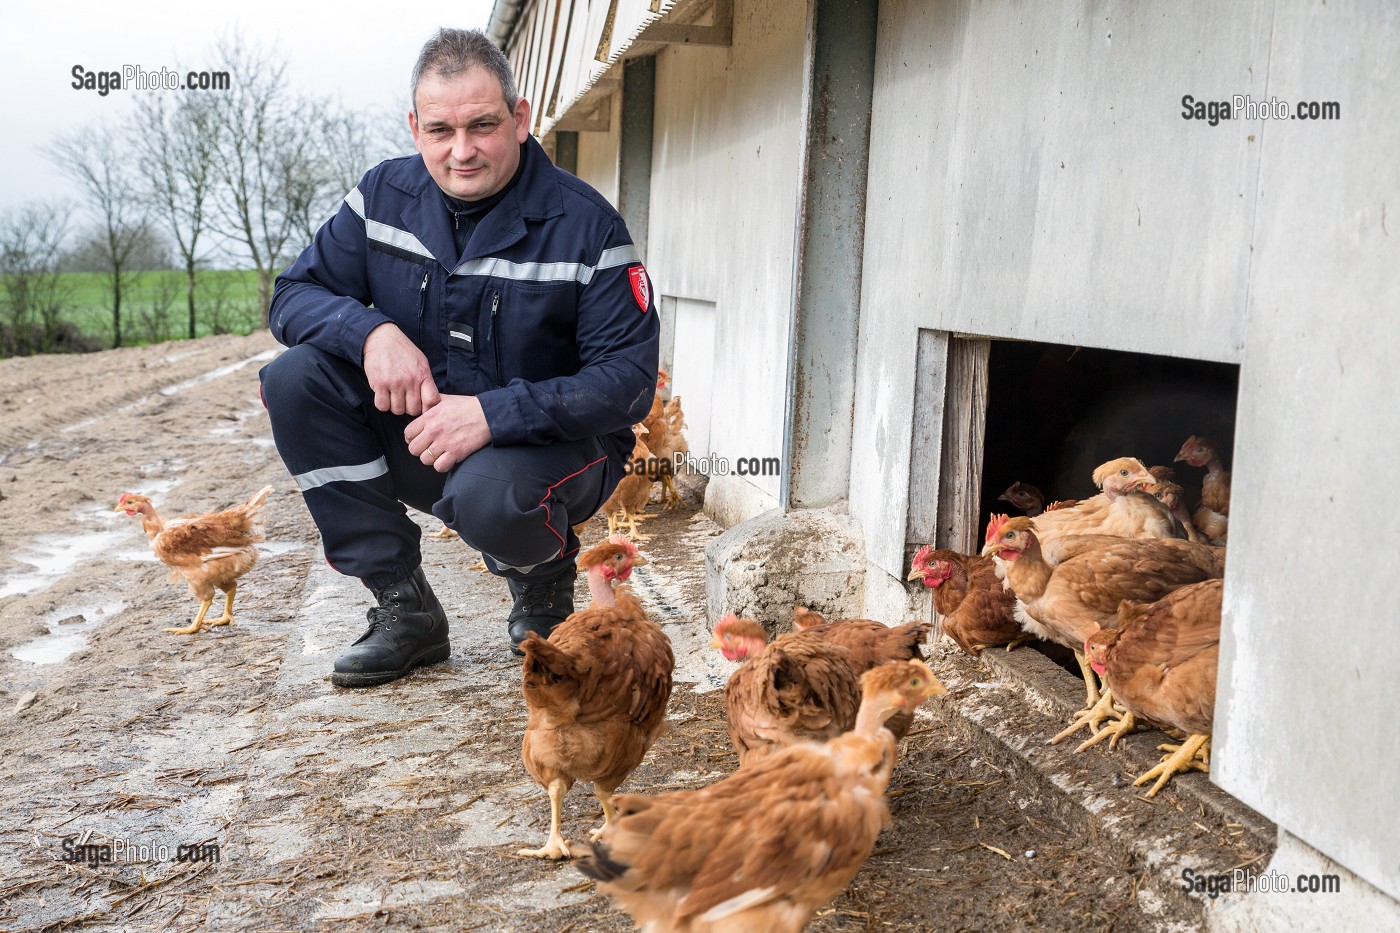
{"x": 1032, "y": 178}
{"x": 692, "y": 374}
{"x": 597, "y": 158}
{"x": 1310, "y": 660}
{"x": 723, "y": 207}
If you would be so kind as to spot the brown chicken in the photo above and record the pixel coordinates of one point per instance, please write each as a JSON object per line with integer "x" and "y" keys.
{"x": 1029, "y": 499}
{"x": 868, "y": 644}
{"x": 1170, "y": 494}
{"x": 1114, "y": 511}
{"x": 800, "y": 687}
{"x": 1071, "y": 600}
{"x": 1161, "y": 660}
{"x": 210, "y": 551}
{"x": 597, "y": 690}
{"x": 628, "y": 502}
{"x": 673, "y": 443}
{"x": 1212, "y": 516}
{"x": 763, "y": 849}
{"x": 975, "y": 609}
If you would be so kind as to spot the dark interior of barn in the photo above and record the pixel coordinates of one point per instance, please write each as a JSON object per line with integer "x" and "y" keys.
{"x": 1055, "y": 412}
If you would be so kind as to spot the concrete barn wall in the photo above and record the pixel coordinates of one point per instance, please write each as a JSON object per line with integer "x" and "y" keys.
{"x": 597, "y": 158}
{"x": 1032, "y": 178}
{"x": 723, "y": 202}
{"x": 1311, "y": 654}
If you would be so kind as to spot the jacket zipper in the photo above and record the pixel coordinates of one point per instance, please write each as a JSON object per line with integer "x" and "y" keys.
{"x": 496, "y": 336}
{"x": 422, "y": 300}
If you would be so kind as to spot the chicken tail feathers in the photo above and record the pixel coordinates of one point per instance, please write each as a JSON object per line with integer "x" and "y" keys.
{"x": 546, "y": 661}
{"x": 599, "y": 864}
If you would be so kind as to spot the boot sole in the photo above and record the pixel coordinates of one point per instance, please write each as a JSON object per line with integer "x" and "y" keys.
{"x": 432, "y": 655}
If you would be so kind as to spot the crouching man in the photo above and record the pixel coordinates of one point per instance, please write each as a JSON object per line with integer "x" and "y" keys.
{"x": 471, "y": 334}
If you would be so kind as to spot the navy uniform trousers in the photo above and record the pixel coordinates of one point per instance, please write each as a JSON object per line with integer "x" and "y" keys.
{"x": 513, "y": 504}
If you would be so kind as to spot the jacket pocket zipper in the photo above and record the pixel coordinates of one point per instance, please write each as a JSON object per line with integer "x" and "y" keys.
{"x": 496, "y": 337}
{"x": 422, "y": 300}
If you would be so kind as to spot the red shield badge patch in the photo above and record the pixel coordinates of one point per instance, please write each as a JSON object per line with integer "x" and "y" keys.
{"x": 641, "y": 287}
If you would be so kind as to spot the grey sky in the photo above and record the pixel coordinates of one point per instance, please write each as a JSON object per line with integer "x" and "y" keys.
{"x": 361, "y": 54}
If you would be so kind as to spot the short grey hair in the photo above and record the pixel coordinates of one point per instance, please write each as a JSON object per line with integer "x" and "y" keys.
{"x": 452, "y": 51}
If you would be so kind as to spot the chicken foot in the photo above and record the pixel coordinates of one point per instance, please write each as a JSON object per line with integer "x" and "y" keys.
{"x": 1127, "y": 723}
{"x": 670, "y": 495}
{"x": 609, "y": 814}
{"x": 555, "y": 847}
{"x": 1104, "y": 708}
{"x": 199, "y": 624}
{"x": 1191, "y": 755}
{"x": 630, "y": 519}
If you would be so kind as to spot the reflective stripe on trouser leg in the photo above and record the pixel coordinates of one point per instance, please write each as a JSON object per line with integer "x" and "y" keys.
{"x": 350, "y": 461}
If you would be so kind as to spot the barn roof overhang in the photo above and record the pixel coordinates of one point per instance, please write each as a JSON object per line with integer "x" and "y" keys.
{"x": 565, "y": 52}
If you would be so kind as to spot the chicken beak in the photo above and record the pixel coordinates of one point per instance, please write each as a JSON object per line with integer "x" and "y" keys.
{"x": 915, "y": 574}
{"x": 992, "y": 549}
{"x": 640, "y": 561}
{"x": 715, "y": 643}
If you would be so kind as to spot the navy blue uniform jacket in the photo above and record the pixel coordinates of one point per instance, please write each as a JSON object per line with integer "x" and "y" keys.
{"x": 546, "y": 317}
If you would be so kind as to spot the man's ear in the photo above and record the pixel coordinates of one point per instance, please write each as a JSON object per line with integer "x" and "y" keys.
{"x": 413, "y": 128}
{"x": 522, "y": 119}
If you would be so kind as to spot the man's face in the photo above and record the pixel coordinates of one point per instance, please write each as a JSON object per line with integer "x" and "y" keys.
{"x": 469, "y": 139}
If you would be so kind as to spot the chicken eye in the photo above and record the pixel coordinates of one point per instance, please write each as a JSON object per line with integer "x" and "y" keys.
{"x": 1122, "y": 472}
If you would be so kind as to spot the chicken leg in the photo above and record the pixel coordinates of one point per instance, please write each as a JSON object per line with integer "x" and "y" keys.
{"x": 609, "y": 813}
{"x": 555, "y": 847}
{"x": 198, "y": 624}
{"x": 629, "y": 519}
{"x": 670, "y": 495}
{"x": 1191, "y": 755}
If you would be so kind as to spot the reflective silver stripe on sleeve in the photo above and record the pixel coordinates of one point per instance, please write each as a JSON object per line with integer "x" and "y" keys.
{"x": 363, "y": 471}
{"x": 549, "y": 271}
{"x": 395, "y": 237}
{"x": 356, "y": 201}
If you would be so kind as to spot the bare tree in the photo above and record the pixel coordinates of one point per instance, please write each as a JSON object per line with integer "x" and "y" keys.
{"x": 35, "y": 293}
{"x": 268, "y": 159}
{"x": 176, "y": 145}
{"x": 97, "y": 161}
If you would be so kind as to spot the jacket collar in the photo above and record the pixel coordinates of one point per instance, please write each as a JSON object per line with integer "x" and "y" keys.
{"x": 535, "y": 197}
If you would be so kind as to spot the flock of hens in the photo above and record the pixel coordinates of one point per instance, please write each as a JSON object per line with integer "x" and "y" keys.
{"x": 1129, "y": 579}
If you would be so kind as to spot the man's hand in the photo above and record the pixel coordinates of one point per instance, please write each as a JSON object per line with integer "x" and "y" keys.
{"x": 398, "y": 372}
{"x": 449, "y": 432}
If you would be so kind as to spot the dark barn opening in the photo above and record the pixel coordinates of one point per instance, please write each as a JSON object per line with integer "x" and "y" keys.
{"x": 1056, "y": 412}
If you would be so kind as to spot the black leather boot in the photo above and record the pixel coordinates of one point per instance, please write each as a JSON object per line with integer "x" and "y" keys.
{"x": 406, "y": 630}
{"x": 540, "y": 605}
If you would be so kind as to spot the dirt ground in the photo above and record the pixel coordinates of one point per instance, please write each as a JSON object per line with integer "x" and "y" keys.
{"x": 398, "y": 806}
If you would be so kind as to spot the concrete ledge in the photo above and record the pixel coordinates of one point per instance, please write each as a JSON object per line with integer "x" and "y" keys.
{"x": 1009, "y": 704}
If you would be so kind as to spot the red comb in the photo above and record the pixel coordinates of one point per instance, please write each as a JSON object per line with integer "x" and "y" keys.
{"x": 921, "y": 557}
{"x": 994, "y": 525}
{"x": 626, "y": 543}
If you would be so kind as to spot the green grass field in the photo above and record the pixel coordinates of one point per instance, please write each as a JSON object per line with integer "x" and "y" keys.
{"x": 155, "y": 309}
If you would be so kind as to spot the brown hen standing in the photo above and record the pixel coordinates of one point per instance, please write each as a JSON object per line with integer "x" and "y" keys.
{"x": 868, "y": 644}
{"x": 597, "y": 691}
{"x": 763, "y": 849}
{"x": 1161, "y": 660}
{"x": 1073, "y": 599}
{"x": 1212, "y": 516}
{"x": 210, "y": 551}
{"x": 798, "y": 688}
{"x": 976, "y": 610}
